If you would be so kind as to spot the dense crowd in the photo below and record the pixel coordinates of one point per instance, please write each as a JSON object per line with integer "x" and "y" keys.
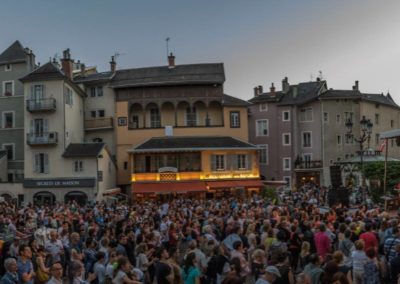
{"x": 229, "y": 240}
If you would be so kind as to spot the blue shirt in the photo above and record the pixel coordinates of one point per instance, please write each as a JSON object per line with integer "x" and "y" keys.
{"x": 9, "y": 278}
{"x": 24, "y": 267}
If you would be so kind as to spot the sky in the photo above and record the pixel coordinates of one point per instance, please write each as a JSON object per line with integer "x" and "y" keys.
{"x": 259, "y": 41}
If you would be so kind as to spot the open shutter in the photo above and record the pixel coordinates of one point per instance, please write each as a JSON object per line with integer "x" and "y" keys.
{"x": 249, "y": 161}
{"x": 46, "y": 163}
{"x": 36, "y": 163}
{"x": 233, "y": 162}
{"x": 213, "y": 163}
{"x": 45, "y": 125}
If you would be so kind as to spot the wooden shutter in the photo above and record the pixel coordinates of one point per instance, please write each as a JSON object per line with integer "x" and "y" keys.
{"x": 46, "y": 163}
{"x": 36, "y": 163}
{"x": 233, "y": 160}
{"x": 213, "y": 163}
{"x": 45, "y": 125}
{"x": 249, "y": 161}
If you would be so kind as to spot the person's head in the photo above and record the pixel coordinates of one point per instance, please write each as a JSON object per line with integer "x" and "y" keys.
{"x": 314, "y": 259}
{"x": 259, "y": 255}
{"x": 340, "y": 278}
{"x": 359, "y": 245}
{"x": 322, "y": 227}
{"x": 53, "y": 235}
{"x": 123, "y": 264}
{"x": 190, "y": 260}
{"x": 75, "y": 238}
{"x": 237, "y": 245}
{"x": 368, "y": 227}
{"x": 305, "y": 247}
{"x": 122, "y": 239}
{"x": 331, "y": 268}
{"x": 236, "y": 265}
{"x": 10, "y": 264}
{"x": 271, "y": 274}
{"x": 347, "y": 234}
{"x": 41, "y": 251}
{"x": 77, "y": 268}
{"x": 193, "y": 244}
{"x": 56, "y": 270}
{"x": 371, "y": 252}
{"x": 101, "y": 256}
{"x": 338, "y": 257}
{"x": 161, "y": 253}
{"x": 25, "y": 251}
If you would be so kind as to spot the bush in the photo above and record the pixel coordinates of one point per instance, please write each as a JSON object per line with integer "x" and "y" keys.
{"x": 269, "y": 193}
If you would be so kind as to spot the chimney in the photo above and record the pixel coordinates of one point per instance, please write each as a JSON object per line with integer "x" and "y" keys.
{"x": 83, "y": 69}
{"x": 260, "y": 89}
{"x": 285, "y": 85}
{"x": 355, "y": 87}
{"x": 113, "y": 64}
{"x": 171, "y": 61}
{"x": 318, "y": 79}
{"x": 256, "y": 91}
{"x": 67, "y": 63}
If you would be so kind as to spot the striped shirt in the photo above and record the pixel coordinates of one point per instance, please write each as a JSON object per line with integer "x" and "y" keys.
{"x": 390, "y": 247}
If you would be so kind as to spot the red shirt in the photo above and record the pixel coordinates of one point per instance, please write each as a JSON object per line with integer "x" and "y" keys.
{"x": 370, "y": 240}
{"x": 322, "y": 243}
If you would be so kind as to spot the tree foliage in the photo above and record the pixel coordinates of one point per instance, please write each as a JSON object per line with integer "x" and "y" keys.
{"x": 376, "y": 171}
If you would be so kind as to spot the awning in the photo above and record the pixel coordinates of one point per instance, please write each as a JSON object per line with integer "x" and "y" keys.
{"x": 390, "y": 134}
{"x": 168, "y": 187}
{"x": 235, "y": 183}
{"x": 112, "y": 191}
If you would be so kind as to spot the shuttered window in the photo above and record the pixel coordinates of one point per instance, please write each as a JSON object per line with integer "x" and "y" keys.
{"x": 41, "y": 163}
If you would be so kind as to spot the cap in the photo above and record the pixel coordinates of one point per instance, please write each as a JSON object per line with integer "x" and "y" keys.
{"x": 273, "y": 270}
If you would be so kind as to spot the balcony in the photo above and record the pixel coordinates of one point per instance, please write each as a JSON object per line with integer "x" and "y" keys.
{"x": 304, "y": 165}
{"x": 45, "y": 138}
{"x": 99, "y": 123}
{"x": 42, "y": 105}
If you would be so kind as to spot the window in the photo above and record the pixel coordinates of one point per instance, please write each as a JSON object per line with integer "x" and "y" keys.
{"x": 307, "y": 158}
{"x": 37, "y": 92}
{"x": 235, "y": 119}
{"x": 306, "y": 114}
{"x": 125, "y": 165}
{"x": 377, "y": 139}
{"x": 218, "y": 162}
{"x": 338, "y": 119}
{"x": 7, "y": 67}
{"x": 349, "y": 139}
{"x": 286, "y": 164}
{"x": 262, "y": 127}
{"x": 264, "y": 107}
{"x": 339, "y": 139}
{"x": 288, "y": 180}
{"x": 97, "y": 113}
{"x": 263, "y": 154}
{"x": 286, "y": 139}
{"x": 191, "y": 117}
{"x": 392, "y": 123}
{"x": 377, "y": 118}
{"x": 155, "y": 118}
{"x": 8, "y": 88}
{"x": 242, "y": 162}
{"x": 41, "y": 163}
{"x": 326, "y": 117}
{"x": 286, "y": 115}
{"x": 8, "y": 119}
{"x": 10, "y": 151}
{"x": 96, "y": 91}
{"x": 78, "y": 166}
{"x": 68, "y": 97}
{"x": 306, "y": 137}
{"x": 135, "y": 121}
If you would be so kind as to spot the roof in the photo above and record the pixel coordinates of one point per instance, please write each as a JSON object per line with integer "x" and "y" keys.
{"x": 96, "y": 77}
{"x": 83, "y": 150}
{"x": 232, "y": 101}
{"x": 207, "y": 73}
{"x": 355, "y": 94}
{"x": 302, "y": 93}
{"x": 194, "y": 143}
{"x": 48, "y": 71}
{"x": 13, "y": 54}
{"x": 267, "y": 97}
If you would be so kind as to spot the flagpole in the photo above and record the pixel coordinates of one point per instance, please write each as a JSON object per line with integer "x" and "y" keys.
{"x": 385, "y": 174}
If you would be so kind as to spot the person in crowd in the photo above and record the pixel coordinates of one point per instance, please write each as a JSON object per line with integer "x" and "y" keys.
{"x": 313, "y": 269}
{"x": 190, "y": 272}
{"x": 359, "y": 258}
{"x": 26, "y": 273}
{"x": 56, "y": 272}
{"x": 11, "y": 275}
{"x": 270, "y": 275}
{"x": 371, "y": 267}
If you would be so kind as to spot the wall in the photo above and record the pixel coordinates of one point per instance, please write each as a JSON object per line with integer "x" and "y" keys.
{"x": 107, "y": 166}
{"x": 73, "y": 119}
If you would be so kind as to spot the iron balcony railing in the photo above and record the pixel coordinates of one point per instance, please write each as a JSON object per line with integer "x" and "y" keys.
{"x": 43, "y": 138}
{"x": 41, "y": 105}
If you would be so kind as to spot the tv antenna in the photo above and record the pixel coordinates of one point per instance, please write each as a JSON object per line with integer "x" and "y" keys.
{"x": 320, "y": 75}
{"x": 167, "y": 44}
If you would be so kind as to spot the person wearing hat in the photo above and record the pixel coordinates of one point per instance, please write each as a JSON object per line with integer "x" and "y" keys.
{"x": 271, "y": 274}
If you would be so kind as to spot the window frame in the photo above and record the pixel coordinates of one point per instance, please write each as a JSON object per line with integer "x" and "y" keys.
{"x": 242, "y": 159}
{"x": 220, "y": 159}
{"x": 3, "y": 94}
{"x": 288, "y": 134}
{"x": 8, "y": 67}
{"x": 263, "y": 146}
{"x": 263, "y": 109}
{"x": 78, "y": 166}
{"x": 13, "y": 150}
{"x": 339, "y": 137}
{"x": 3, "y": 119}
{"x": 283, "y": 115}
{"x": 305, "y": 114}
{"x": 232, "y": 120}
{"x": 267, "y": 127}
{"x": 289, "y": 168}
{"x": 327, "y": 117}
{"x": 302, "y": 139}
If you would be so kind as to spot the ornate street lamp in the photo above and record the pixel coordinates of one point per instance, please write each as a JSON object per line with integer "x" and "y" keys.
{"x": 365, "y": 136}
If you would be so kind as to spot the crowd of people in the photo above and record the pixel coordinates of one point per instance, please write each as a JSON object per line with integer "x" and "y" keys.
{"x": 219, "y": 241}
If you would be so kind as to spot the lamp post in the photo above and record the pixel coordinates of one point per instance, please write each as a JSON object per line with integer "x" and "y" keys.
{"x": 365, "y": 136}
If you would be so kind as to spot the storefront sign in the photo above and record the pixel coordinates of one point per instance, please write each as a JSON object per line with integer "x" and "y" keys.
{"x": 38, "y": 183}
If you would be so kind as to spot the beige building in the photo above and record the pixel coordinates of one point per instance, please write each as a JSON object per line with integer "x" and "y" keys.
{"x": 59, "y": 166}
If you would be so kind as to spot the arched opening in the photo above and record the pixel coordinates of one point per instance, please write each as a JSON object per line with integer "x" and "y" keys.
{"x": 136, "y": 116}
{"x": 44, "y": 198}
{"x": 78, "y": 196}
{"x": 215, "y": 114}
{"x": 153, "y": 116}
{"x": 168, "y": 114}
{"x": 182, "y": 113}
{"x": 201, "y": 113}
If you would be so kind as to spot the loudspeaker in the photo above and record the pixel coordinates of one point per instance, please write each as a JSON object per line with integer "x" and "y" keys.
{"x": 339, "y": 195}
{"x": 336, "y": 176}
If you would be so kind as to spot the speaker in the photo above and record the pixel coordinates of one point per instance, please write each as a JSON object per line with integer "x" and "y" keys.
{"x": 336, "y": 176}
{"x": 339, "y": 195}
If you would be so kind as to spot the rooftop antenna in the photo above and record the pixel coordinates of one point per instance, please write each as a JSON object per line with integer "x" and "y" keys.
{"x": 320, "y": 75}
{"x": 167, "y": 43}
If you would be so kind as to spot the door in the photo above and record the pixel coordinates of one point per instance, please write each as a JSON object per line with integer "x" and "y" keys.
{"x": 148, "y": 164}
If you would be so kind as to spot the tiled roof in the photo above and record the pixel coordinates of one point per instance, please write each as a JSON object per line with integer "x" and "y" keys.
{"x": 96, "y": 77}
{"x": 192, "y": 143}
{"x": 232, "y": 101}
{"x": 302, "y": 93}
{"x": 14, "y": 53}
{"x": 83, "y": 150}
{"x": 48, "y": 71}
{"x": 163, "y": 75}
{"x": 267, "y": 97}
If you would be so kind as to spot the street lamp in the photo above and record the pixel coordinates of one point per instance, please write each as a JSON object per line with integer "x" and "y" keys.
{"x": 365, "y": 136}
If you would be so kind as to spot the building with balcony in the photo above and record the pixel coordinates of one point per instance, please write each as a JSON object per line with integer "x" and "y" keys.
{"x": 59, "y": 164}
{"x": 301, "y": 129}
{"x": 174, "y": 103}
{"x": 15, "y": 62}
